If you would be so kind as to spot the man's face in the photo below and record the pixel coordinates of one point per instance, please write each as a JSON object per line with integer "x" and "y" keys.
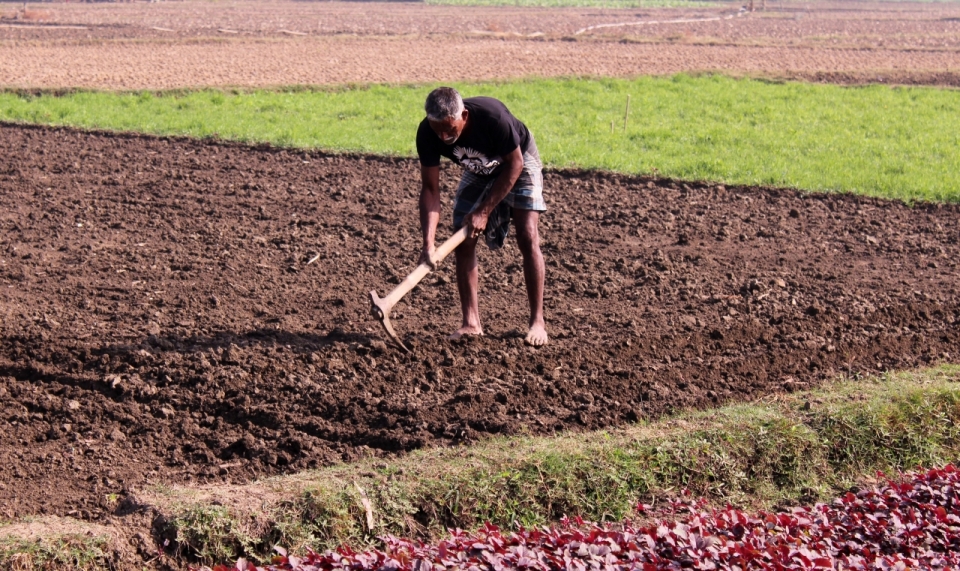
{"x": 450, "y": 129}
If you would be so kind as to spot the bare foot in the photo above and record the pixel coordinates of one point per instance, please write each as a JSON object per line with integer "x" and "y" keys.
{"x": 537, "y": 336}
{"x": 466, "y": 331}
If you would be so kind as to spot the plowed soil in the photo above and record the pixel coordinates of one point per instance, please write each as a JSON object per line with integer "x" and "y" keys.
{"x": 868, "y": 24}
{"x": 160, "y": 320}
{"x": 266, "y": 43}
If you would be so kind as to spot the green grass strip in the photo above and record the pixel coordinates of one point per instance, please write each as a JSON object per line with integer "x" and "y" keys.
{"x": 42, "y": 550}
{"x": 891, "y": 142}
{"x": 781, "y": 450}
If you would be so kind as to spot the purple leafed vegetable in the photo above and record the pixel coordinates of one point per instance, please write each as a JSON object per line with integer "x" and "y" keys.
{"x": 913, "y": 523}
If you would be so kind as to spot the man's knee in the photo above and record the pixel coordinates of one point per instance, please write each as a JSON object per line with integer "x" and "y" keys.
{"x": 528, "y": 236}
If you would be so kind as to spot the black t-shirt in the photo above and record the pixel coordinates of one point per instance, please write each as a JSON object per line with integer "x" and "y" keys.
{"x": 491, "y": 132}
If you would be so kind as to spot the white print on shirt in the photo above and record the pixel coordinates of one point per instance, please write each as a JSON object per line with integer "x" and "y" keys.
{"x": 475, "y": 161}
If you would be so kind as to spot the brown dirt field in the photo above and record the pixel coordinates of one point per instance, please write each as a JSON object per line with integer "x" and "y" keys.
{"x": 160, "y": 324}
{"x": 866, "y": 24}
{"x": 254, "y": 44}
{"x": 339, "y": 61}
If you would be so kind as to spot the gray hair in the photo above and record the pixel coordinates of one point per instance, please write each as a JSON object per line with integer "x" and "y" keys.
{"x": 443, "y": 103}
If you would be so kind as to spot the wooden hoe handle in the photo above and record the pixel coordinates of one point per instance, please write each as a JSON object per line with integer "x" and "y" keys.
{"x": 381, "y": 308}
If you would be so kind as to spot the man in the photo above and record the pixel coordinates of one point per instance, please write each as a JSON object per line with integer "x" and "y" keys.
{"x": 502, "y": 179}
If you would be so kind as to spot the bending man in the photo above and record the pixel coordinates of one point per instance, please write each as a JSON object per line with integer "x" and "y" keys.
{"x": 502, "y": 179}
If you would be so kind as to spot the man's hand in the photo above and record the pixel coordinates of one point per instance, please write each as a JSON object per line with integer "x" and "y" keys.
{"x": 476, "y": 222}
{"x": 426, "y": 257}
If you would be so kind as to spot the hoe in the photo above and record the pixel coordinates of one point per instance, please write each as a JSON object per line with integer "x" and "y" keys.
{"x": 381, "y": 308}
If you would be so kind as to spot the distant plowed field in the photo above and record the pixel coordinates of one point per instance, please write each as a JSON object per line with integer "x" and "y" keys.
{"x": 256, "y": 44}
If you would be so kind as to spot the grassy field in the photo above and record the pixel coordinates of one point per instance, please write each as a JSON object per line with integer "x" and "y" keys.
{"x": 779, "y": 451}
{"x": 891, "y": 142}
{"x": 49, "y": 542}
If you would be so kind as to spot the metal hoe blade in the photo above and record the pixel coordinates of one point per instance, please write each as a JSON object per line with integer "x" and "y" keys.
{"x": 384, "y": 318}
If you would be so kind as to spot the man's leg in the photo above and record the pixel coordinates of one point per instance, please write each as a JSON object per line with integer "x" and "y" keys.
{"x": 528, "y": 239}
{"x": 470, "y": 193}
{"x": 467, "y": 285}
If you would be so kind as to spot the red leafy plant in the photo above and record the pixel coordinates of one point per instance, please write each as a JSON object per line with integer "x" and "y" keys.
{"x": 913, "y": 523}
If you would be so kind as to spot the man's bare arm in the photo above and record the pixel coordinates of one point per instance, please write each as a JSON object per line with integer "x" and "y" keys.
{"x": 512, "y": 167}
{"x": 429, "y": 208}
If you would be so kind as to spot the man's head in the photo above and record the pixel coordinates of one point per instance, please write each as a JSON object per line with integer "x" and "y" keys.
{"x": 446, "y": 114}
